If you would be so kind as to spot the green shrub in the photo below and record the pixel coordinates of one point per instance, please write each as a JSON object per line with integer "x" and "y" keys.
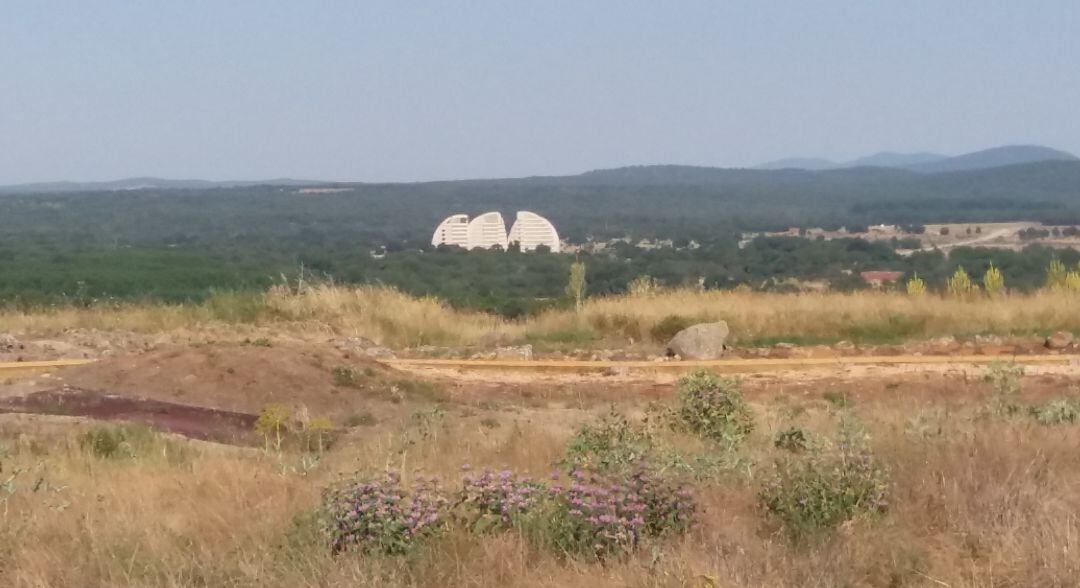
{"x": 126, "y": 441}
{"x": 1057, "y": 412}
{"x": 345, "y": 377}
{"x": 837, "y": 399}
{"x": 235, "y": 307}
{"x": 712, "y": 408}
{"x": 670, "y": 325}
{"x": 1004, "y": 378}
{"x": 819, "y": 490}
{"x": 610, "y": 444}
{"x": 364, "y": 419}
{"x": 794, "y": 440}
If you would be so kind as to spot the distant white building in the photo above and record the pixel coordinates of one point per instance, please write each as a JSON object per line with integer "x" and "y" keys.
{"x": 531, "y": 230}
{"x": 452, "y": 231}
{"x": 488, "y": 230}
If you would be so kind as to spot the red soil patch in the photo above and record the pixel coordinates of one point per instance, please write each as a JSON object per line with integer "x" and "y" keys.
{"x": 191, "y": 421}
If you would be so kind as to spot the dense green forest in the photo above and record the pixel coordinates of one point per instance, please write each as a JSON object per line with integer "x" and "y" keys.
{"x": 184, "y": 244}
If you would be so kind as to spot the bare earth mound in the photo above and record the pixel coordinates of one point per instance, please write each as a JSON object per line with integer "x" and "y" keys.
{"x": 242, "y": 378}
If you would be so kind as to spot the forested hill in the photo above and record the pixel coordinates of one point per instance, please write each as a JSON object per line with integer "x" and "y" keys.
{"x": 646, "y": 201}
{"x": 184, "y": 243}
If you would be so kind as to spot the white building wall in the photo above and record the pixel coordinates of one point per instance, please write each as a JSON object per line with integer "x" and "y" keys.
{"x": 452, "y": 231}
{"x": 487, "y": 231}
{"x": 531, "y": 230}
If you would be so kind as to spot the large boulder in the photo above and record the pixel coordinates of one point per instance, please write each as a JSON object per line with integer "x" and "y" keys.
{"x": 703, "y": 341}
{"x": 1059, "y": 340}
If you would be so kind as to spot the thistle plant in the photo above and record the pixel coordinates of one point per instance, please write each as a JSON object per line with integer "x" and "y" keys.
{"x": 819, "y": 490}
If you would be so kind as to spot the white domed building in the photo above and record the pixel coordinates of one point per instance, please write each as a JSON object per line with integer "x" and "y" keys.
{"x": 487, "y": 230}
{"x": 531, "y": 230}
{"x": 453, "y": 231}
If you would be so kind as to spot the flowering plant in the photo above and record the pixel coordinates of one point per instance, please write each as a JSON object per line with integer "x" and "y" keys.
{"x": 380, "y": 515}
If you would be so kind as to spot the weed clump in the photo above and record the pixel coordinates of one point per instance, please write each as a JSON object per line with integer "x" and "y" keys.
{"x": 118, "y": 441}
{"x": 364, "y": 419}
{"x": 345, "y": 377}
{"x": 1057, "y": 412}
{"x": 670, "y": 325}
{"x": 793, "y": 439}
{"x": 712, "y": 408}
{"x": 612, "y": 443}
{"x": 819, "y": 490}
{"x": 1004, "y": 378}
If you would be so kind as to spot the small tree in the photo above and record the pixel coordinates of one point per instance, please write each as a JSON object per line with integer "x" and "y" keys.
{"x": 1056, "y": 275}
{"x": 576, "y": 288}
{"x": 916, "y": 287}
{"x": 273, "y": 423}
{"x": 993, "y": 281}
{"x": 643, "y": 286}
{"x": 960, "y": 283}
{"x": 1072, "y": 281}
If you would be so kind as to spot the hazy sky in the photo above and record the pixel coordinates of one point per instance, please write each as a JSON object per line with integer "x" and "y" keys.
{"x": 403, "y": 90}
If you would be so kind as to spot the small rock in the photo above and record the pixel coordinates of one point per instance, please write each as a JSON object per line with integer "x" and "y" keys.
{"x": 510, "y": 353}
{"x": 355, "y": 344}
{"x": 379, "y": 352}
{"x": 944, "y": 345}
{"x": 1059, "y": 340}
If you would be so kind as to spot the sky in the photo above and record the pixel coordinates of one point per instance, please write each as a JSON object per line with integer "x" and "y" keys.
{"x": 412, "y": 91}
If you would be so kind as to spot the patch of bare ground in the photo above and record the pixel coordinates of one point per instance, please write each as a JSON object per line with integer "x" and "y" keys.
{"x": 237, "y": 377}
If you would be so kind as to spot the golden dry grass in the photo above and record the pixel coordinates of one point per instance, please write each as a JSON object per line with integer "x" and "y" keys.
{"x": 396, "y": 319}
{"x": 977, "y": 502}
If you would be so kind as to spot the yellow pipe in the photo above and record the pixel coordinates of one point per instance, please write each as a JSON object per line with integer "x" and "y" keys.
{"x": 727, "y": 365}
{"x": 23, "y": 368}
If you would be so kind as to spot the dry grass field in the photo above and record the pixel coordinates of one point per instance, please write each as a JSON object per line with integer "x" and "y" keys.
{"x": 849, "y": 476}
{"x": 397, "y": 320}
{"x": 977, "y": 495}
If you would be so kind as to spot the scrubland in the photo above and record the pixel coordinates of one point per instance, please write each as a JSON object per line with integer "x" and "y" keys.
{"x": 398, "y": 320}
{"x": 974, "y": 483}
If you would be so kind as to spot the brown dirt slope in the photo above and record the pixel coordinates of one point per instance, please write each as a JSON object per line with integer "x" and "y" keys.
{"x": 235, "y": 377}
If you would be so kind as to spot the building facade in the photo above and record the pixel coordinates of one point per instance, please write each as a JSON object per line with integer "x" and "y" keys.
{"x": 531, "y": 230}
{"x": 453, "y": 231}
{"x": 488, "y": 230}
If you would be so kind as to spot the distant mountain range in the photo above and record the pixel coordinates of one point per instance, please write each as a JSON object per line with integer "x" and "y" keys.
{"x": 146, "y": 184}
{"x": 932, "y": 162}
{"x": 882, "y": 166}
